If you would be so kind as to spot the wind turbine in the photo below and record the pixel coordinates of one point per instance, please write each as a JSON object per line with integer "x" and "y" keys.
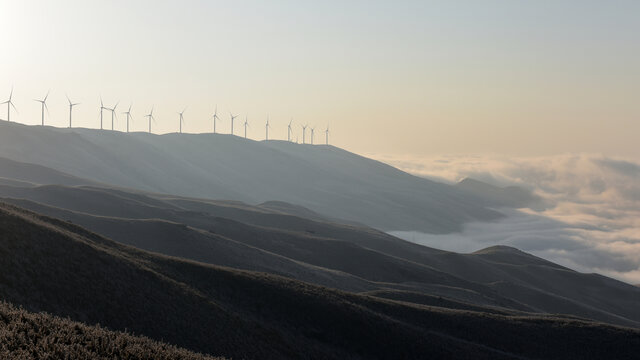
{"x": 289, "y": 130}
{"x": 181, "y": 119}
{"x": 150, "y": 116}
{"x": 101, "y": 108}
{"x": 113, "y": 114}
{"x": 304, "y": 130}
{"x": 326, "y": 136}
{"x": 215, "y": 117}
{"x": 128, "y": 113}
{"x": 9, "y": 105}
{"x": 232, "y": 118}
{"x": 71, "y": 105}
{"x": 43, "y": 102}
{"x": 266, "y": 137}
{"x": 312, "y": 130}
{"x": 246, "y": 124}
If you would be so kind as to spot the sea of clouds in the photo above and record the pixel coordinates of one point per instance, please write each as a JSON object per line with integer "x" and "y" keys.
{"x": 590, "y": 221}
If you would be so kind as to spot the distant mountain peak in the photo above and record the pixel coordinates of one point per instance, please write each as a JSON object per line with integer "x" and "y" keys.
{"x": 500, "y": 248}
{"x": 495, "y": 196}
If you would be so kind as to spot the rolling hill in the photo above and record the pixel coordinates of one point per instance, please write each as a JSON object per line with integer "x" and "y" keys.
{"x": 298, "y": 269}
{"x": 325, "y": 179}
{"x": 341, "y": 256}
{"x": 53, "y": 266}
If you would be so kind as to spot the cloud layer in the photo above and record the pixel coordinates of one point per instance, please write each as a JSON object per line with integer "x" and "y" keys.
{"x": 591, "y": 222}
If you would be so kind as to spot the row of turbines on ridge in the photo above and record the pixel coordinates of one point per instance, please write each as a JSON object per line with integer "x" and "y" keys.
{"x": 150, "y": 117}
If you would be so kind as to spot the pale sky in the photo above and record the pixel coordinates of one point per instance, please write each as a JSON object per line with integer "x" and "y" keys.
{"x": 393, "y": 77}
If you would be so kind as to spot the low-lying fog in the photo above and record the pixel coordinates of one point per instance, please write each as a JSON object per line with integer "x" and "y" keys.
{"x": 592, "y": 218}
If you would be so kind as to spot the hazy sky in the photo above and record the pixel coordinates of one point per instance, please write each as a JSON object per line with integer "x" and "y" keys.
{"x": 411, "y": 77}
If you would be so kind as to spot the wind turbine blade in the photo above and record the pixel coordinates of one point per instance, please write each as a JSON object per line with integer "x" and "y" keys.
{"x": 11, "y": 94}
{"x": 45, "y": 98}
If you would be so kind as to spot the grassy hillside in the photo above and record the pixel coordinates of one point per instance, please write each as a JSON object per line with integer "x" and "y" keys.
{"x": 342, "y": 256}
{"x": 25, "y": 335}
{"x": 53, "y": 266}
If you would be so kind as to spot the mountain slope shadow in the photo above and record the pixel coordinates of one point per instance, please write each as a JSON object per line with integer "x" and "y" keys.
{"x": 49, "y": 265}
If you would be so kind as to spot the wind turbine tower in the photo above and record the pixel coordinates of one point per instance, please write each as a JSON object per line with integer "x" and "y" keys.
{"x": 101, "y": 109}
{"x": 113, "y": 114}
{"x": 129, "y": 117}
{"x": 9, "y": 105}
{"x": 246, "y": 124}
{"x": 232, "y": 118}
{"x": 304, "y": 131}
{"x": 181, "y": 119}
{"x": 312, "y": 131}
{"x": 150, "y": 116}
{"x": 266, "y": 137}
{"x": 326, "y": 136}
{"x": 289, "y": 131}
{"x": 43, "y": 102}
{"x": 215, "y": 117}
{"x": 71, "y": 105}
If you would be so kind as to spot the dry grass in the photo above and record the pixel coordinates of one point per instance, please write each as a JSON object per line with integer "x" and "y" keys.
{"x": 25, "y": 335}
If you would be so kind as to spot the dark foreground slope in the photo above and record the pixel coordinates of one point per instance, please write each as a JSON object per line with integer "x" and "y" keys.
{"x": 323, "y": 178}
{"x": 25, "y": 335}
{"x": 346, "y": 257}
{"x": 48, "y": 265}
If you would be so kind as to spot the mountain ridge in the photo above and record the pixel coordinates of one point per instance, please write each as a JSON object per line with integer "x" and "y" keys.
{"x": 322, "y": 178}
